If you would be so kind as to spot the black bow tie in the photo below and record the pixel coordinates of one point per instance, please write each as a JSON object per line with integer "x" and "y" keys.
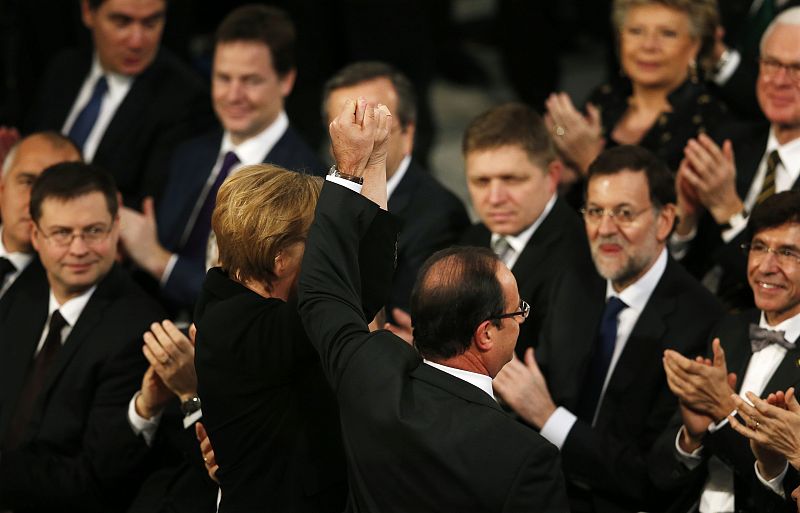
{"x": 762, "y": 337}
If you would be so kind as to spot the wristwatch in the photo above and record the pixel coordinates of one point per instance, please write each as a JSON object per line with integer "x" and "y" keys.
{"x": 737, "y": 219}
{"x": 190, "y": 406}
{"x": 334, "y": 171}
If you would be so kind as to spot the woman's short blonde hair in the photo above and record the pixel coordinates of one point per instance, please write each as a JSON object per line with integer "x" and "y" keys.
{"x": 703, "y": 22}
{"x": 260, "y": 211}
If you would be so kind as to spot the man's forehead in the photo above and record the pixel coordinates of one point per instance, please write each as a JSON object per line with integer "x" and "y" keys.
{"x": 378, "y": 90}
{"x": 783, "y": 43}
{"x": 34, "y": 155}
{"x": 624, "y": 185}
{"x": 135, "y": 9}
{"x": 786, "y": 234}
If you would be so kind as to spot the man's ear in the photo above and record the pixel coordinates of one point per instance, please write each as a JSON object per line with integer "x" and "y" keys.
{"x": 287, "y": 82}
{"x": 665, "y": 221}
{"x": 483, "y": 337}
{"x": 87, "y": 15}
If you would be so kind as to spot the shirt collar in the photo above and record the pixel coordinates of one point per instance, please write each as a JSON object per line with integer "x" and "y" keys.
{"x": 118, "y": 84}
{"x": 638, "y": 293}
{"x": 255, "y": 149}
{"x": 790, "y": 327}
{"x": 481, "y": 381}
{"x": 20, "y": 260}
{"x": 71, "y": 309}
{"x": 519, "y": 241}
{"x": 789, "y": 153}
{"x": 397, "y": 177}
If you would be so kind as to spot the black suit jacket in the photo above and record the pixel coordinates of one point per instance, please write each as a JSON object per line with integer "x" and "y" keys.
{"x": 270, "y": 414}
{"x": 605, "y": 464}
{"x": 726, "y": 444}
{"x": 433, "y": 219}
{"x": 558, "y": 245}
{"x": 416, "y": 439}
{"x": 191, "y": 166}
{"x": 166, "y": 104}
{"x": 79, "y": 451}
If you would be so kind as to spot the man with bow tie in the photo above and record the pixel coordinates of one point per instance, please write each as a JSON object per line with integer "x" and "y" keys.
{"x": 753, "y": 351}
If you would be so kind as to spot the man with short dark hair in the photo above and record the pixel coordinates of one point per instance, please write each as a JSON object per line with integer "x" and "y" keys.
{"x": 422, "y": 435}
{"x": 596, "y": 387}
{"x": 70, "y": 355}
{"x": 129, "y": 102}
{"x": 512, "y": 172}
{"x": 254, "y": 70}
{"x": 701, "y": 457}
{"x": 433, "y": 217}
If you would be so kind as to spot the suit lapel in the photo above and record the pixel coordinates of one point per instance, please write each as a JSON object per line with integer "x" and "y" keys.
{"x": 538, "y": 247}
{"x": 749, "y": 160}
{"x": 788, "y": 372}
{"x": 453, "y": 385}
{"x": 68, "y": 92}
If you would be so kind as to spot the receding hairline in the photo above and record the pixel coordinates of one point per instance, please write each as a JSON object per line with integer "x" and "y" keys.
{"x": 790, "y": 17}
{"x": 55, "y": 142}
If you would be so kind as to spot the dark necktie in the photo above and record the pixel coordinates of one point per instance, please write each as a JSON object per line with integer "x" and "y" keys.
{"x": 84, "y": 123}
{"x": 502, "y": 249}
{"x": 6, "y": 268}
{"x": 196, "y": 244}
{"x": 601, "y": 360}
{"x": 34, "y": 380}
{"x": 763, "y": 337}
{"x": 768, "y": 187}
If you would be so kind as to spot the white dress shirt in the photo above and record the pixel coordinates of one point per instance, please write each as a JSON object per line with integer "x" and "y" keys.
{"x": 20, "y": 261}
{"x": 518, "y": 242}
{"x": 481, "y": 381}
{"x": 397, "y": 177}
{"x": 118, "y": 88}
{"x": 636, "y": 296}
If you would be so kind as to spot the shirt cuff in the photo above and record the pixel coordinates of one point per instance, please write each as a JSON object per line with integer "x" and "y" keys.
{"x": 173, "y": 259}
{"x": 716, "y": 426}
{"x": 140, "y": 425}
{"x": 727, "y": 70}
{"x": 690, "y": 459}
{"x": 776, "y": 483}
{"x": 558, "y": 426}
{"x": 345, "y": 183}
{"x": 738, "y": 223}
{"x": 190, "y": 420}
{"x": 679, "y": 244}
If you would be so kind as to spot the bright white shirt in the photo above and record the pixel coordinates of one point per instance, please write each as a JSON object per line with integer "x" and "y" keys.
{"x": 252, "y": 151}
{"x": 71, "y": 310}
{"x": 518, "y": 242}
{"x": 718, "y": 493}
{"x": 636, "y": 296}
{"x": 118, "y": 88}
{"x": 20, "y": 261}
{"x": 481, "y": 381}
{"x": 397, "y": 177}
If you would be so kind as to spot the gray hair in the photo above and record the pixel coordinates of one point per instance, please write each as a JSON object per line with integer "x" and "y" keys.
{"x": 787, "y": 17}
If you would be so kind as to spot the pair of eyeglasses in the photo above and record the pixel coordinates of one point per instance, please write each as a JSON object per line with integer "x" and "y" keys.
{"x": 63, "y": 237}
{"x": 785, "y": 256}
{"x": 770, "y": 66}
{"x": 621, "y": 216}
{"x": 524, "y": 311}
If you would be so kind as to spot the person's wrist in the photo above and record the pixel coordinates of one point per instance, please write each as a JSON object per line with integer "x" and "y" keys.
{"x": 725, "y": 211}
{"x": 157, "y": 261}
{"x": 690, "y": 442}
{"x": 144, "y": 409}
{"x": 770, "y": 469}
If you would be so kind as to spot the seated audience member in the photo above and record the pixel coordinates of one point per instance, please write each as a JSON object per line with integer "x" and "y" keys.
{"x": 421, "y": 428}
{"x": 268, "y": 410}
{"x": 512, "y": 174}
{"x": 24, "y": 162}
{"x": 433, "y": 217}
{"x": 254, "y": 70}
{"x": 702, "y": 456}
{"x": 70, "y": 355}
{"x": 719, "y": 186}
{"x": 127, "y": 102}
{"x": 596, "y": 386}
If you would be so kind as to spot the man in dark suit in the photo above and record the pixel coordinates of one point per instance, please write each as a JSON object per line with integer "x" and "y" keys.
{"x": 129, "y": 103}
{"x": 25, "y": 161}
{"x": 596, "y": 387}
{"x": 254, "y": 71}
{"x": 433, "y": 217}
{"x": 419, "y": 435}
{"x": 512, "y": 173}
{"x": 756, "y": 351}
{"x": 717, "y": 189}
{"x": 70, "y": 355}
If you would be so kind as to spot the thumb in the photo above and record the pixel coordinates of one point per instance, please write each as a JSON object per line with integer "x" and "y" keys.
{"x": 148, "y": 208}
{"x": 200, "y": 431}
{"x": 593, "y": 114}
{"x": 401, "y": 317}
{"x": 727, "y": 151}
{"x": 791, "y": 401}
{"x": 719, "y": 354}
{"x": 530, "y": 358}
{"x": 732, "y": 379}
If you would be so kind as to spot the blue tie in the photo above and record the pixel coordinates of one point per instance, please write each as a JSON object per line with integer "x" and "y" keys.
{"x": 84, "y": 123}
{"x": 598, "y": 367}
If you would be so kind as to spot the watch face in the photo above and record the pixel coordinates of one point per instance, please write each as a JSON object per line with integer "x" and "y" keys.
{"x": 190, "y": 406}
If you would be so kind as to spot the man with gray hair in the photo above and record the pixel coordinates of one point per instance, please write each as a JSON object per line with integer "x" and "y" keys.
{"x": 717, "y": 189}
{"x": 22, "y": 165}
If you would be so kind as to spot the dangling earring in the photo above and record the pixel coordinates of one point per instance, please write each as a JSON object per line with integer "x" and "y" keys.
{"x": 693, "y": 71}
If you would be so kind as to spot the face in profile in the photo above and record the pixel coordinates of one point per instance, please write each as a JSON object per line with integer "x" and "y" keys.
{"x": 126, "y": 33}
{"x": 508, "y": 190}
{"x": 626, "y": 243}
{"x": 246, "y": 90}
{"x": 656, "y": 46}
{"x": 73, "y": 266}
{"x": 773, "y": 271}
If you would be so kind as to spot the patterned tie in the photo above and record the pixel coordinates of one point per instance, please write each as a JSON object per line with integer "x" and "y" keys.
{"x": 503, "y": 249}
{"x": 84, "y": 123}
{"x": 34, "y": 380}
{"x": 768, "y": 187}
{"x": 6, "y": 268}
{"x": 763, "y": 337}
{"x": 196, "y": 244}
{"x": 598, "y": 367}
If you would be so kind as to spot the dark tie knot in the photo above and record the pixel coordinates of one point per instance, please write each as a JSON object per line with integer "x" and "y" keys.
{"x": 762, "y": 337}
{"x": 773, "y": 159}
{"x": 57, "y": 323}
{"x": 613, "y": 307}
{"x": 6, "y": 267}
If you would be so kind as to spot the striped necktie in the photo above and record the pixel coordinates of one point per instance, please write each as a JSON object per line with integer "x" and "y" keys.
{"x": 768, "y": 187}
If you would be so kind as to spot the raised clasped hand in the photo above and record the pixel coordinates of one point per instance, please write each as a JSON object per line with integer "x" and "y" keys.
{"x": 359, "y": 136}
